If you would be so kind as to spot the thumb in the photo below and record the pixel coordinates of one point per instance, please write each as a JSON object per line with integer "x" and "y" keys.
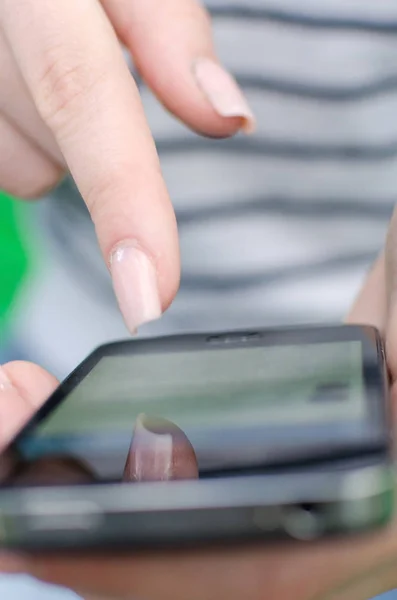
{"x": 160, "y": 451}
{"x": 23, "y": 388}
{"x": 171, "y": 43}
{"x": 375, "y": 305}
{"x": 391, "y": 295}
{"x": 370, "y": 306}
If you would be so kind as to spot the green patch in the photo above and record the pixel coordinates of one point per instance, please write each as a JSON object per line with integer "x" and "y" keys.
{"x": 13, "y": 254}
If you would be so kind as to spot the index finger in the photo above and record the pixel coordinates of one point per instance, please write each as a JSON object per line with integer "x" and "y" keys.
{"x": 73, "y": 65}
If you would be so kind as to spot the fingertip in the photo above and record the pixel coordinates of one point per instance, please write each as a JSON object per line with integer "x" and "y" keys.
{"x": 160, "y": 451}
{"x": 207, "y": 98}
{"x": 224, "y": 96}
{"x": 143, "y": 287}
{"x": 32, "y": 382}
{"x": 213, "y": 126}
{"x": 23, "y": 389}
{"x": 173, "y": 49}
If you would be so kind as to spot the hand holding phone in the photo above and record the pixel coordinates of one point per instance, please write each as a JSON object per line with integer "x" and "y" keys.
{"x": 245, "y": 567}
{"x": 271, "y": 434}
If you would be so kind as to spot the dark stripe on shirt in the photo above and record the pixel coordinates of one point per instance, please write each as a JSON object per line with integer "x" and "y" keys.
{"x": 314, "y": 91}
{"x": 290, "y": 274}
{"x": 284, "y": 149}
{"x": 231, "y": 208}
{"x": 93, "y": 277}
{"x": 297, "y": 19}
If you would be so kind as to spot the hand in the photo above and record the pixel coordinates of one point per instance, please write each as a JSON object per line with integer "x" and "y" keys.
{"x": 350, "y": 569}
{"x": 68, "y": 101}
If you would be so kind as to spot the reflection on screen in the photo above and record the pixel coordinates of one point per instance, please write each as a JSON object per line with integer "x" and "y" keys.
{"x": 233, "y": 406}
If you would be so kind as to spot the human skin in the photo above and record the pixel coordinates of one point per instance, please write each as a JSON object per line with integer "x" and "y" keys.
{"x": 69, "y": 103}
{"x": 355, "y": 568}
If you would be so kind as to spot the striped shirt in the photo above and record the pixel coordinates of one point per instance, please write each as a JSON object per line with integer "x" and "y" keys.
{"x": 278, "y": 228}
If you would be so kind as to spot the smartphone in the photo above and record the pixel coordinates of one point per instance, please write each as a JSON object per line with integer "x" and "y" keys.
{"x": 290, "y": 431}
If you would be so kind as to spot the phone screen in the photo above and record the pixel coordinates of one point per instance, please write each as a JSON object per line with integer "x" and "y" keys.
{"x": 236, "y": 408}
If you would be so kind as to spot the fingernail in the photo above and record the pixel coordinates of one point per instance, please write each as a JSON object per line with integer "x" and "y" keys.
{"x": 5, "y": 381}
{"x": 223, "y": 92}
{"x": 150, "y": 454}
{"x": 159, "y": 451}
{"x": 135, "y": 284}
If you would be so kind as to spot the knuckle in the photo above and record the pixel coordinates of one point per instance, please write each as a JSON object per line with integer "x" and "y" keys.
{"x": 192, "y": 15}
{"x": 34, "y": 188}
{"x": 64, "y": 82}
{"x": 41, "y": 188}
